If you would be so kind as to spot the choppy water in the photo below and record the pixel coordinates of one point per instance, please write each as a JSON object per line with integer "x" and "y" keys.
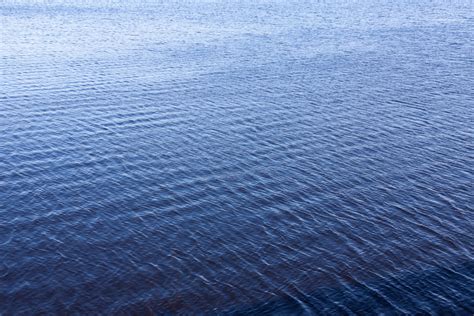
{"x": 237, "y": 157}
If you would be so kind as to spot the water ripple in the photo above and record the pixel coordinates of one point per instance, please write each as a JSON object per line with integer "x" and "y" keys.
{"x": 236, "y": 158}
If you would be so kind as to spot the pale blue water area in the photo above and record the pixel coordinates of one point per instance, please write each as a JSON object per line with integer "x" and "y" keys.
{"x": 236, "y": 157}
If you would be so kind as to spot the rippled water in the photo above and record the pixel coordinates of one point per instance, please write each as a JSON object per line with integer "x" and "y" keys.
{"x": 237, "y": 157}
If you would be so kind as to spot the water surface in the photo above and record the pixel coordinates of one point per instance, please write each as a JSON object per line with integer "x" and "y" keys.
{"x": 239, "y": 157}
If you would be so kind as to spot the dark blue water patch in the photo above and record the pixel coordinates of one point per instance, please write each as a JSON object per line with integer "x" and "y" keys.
{"x": 375, "y": 297}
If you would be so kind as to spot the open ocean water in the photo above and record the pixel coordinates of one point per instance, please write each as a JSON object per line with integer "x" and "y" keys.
{"x": 237, "y": 157}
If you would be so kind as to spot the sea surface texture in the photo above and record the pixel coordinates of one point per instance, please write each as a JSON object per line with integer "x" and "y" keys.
{"x": 237, "y": 157}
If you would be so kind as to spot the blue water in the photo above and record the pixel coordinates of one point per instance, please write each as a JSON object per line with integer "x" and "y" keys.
{"x": 237, "y": 157}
